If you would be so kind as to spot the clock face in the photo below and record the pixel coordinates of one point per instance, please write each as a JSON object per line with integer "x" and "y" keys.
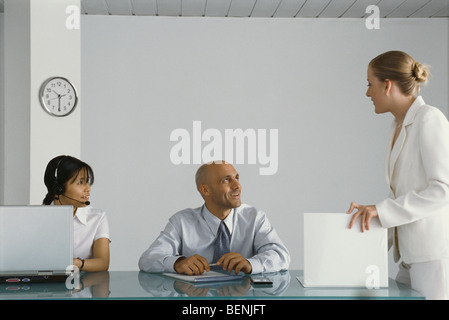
{"x": 58, "y": 96}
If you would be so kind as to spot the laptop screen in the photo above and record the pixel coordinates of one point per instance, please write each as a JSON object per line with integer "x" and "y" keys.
{"x": 35, "y": 238}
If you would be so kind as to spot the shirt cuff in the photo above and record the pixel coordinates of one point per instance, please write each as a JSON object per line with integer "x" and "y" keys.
{"x": 256, "y": 266}
{"x": 103, "y": 235}
{"x": 381, "y": 208}
{"x": 169, "y": 263}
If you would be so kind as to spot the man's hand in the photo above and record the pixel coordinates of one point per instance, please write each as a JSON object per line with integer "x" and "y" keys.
{"x": 366, "y": 213}
{"x": 193, "y": 265}
{"x": 234, "y": 261}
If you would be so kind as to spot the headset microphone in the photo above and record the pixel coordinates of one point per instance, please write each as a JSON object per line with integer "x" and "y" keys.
{"x": 86, "y": 203}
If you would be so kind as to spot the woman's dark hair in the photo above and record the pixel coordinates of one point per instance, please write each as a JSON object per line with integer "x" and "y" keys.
{"x": 61, "y": 170}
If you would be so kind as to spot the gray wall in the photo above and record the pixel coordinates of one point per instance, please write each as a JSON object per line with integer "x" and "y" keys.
{"x": 143, "y": 77}
{"x": 2, "y": 108}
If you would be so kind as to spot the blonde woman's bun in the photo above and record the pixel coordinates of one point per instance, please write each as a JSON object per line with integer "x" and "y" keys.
{"x": 420, "y": 72}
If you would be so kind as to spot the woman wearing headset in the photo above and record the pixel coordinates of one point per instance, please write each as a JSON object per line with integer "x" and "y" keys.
{"x": 68, "y": 182}
{"x": 417, "y": 164}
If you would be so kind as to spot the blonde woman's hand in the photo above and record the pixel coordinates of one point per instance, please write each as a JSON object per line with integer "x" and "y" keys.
{"x": 366, "y": 213}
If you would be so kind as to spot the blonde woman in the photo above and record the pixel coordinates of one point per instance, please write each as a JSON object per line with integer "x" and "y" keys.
{"x": 417, "y": 170}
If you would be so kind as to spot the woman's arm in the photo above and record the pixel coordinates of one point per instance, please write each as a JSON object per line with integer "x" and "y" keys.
{"x": 100, "y": 261}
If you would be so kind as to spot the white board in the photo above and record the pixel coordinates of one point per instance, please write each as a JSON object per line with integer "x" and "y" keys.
{"x": 336, "y": 256}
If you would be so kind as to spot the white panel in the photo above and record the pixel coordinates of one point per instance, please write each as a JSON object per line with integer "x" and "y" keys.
{"x": 431, "y": 8}
{"x": 313, "y": 8}
{"x": 118, "y": 7}
{"x": 241, "y": 8}
{"x": 217, "y": 8}
{"x": 94, "y": 6}
{"x": 169, "y": 7}
{"x": 289, "y": 8}
{"x": 336, "y": 8}
{"x": 193, "y": 7}
{"x": 265, "y": 8}
{"x": 407, "y": 8}
{"x": 144, "y": 7}
{"x": 335, "y": 255}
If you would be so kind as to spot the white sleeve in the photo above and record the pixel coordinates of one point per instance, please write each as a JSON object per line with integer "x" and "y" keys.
{"x": 163, "y": 252}
{"x": 103, "y": 228}
{"x": 271, "y": 254}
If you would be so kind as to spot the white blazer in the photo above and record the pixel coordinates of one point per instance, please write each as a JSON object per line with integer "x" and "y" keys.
{"x": 417, "y": 171}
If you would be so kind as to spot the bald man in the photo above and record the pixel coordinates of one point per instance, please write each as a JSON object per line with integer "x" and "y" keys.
{"x": 188, "y": 243}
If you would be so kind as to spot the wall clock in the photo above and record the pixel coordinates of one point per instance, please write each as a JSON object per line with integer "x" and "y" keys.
{"x": 58, "y": 96}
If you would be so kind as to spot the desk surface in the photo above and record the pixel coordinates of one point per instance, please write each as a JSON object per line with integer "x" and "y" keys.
{"x": 135, "y": 285}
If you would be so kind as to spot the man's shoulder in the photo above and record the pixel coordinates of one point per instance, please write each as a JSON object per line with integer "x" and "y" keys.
{"x": 187, "y": 213}
{"x": 245, "y": 210}
{"x": 248, "y": 210}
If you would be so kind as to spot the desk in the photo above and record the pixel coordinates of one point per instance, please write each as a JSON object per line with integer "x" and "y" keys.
{"x": 135, "y": 285}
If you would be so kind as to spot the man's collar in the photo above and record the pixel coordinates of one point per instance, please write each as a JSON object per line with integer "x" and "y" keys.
{"x": 213, "y": 221}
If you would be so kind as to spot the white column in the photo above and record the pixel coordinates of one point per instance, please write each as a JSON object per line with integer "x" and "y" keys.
{"x": 39, "y": 43}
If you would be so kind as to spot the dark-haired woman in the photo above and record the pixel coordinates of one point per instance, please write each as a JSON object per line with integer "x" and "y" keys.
{"x": 68, "y": 181}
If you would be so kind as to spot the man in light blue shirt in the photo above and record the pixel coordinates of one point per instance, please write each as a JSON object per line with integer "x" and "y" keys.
{"x": 186, "y": 245}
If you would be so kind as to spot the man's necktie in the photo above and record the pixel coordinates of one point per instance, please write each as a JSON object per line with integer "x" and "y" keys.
{"x": 222, "y": 242}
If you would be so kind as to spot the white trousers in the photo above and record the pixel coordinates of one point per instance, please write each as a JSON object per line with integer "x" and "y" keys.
{"x": 431, "y": 279}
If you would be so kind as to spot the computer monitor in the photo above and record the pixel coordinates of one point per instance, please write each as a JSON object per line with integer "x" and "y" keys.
{"x": 35, "y": 240}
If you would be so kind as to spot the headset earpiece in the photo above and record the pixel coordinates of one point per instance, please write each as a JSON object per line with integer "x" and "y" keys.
{"x": 58, "y": 189}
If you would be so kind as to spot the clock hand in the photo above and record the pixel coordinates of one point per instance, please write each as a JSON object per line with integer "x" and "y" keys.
{"x": 58, "y": 95}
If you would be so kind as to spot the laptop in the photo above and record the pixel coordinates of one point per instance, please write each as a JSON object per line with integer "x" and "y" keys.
{"x": 336, "y": 256}
{"x": 36, "y": 243}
